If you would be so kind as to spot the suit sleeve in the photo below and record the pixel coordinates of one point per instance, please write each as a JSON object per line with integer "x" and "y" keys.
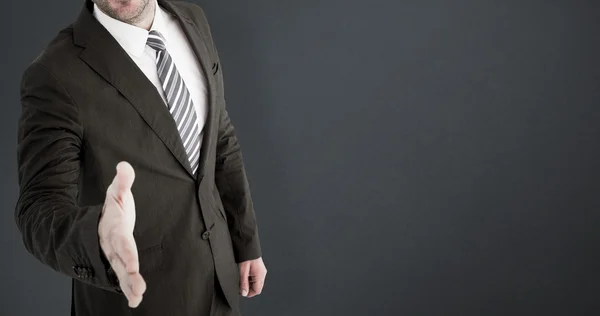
{"x": 55, "y": 229}
{"x": 231, "y": 180}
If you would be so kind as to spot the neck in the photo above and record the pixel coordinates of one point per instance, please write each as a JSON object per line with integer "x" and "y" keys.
{"x": 146, "y": 18}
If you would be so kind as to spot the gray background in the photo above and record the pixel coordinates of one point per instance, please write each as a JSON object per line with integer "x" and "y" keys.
{"x": 406, "y": 157}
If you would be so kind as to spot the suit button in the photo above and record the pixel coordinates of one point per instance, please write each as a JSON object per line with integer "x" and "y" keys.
{"x": 83, "y": 272}
{"x": 88, "y": 273}
{"x": 206, "y": 235}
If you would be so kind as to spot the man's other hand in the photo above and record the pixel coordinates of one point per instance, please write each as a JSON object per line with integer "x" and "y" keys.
{"x": 252, "y": 277}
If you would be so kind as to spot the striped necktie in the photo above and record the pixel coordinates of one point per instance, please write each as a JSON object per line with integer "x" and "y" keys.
{"x": 178, "y": 98}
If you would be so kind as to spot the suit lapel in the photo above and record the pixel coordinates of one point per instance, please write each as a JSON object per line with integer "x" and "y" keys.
{"x": 103, "y": 54}
{"x": 198, "y": 41}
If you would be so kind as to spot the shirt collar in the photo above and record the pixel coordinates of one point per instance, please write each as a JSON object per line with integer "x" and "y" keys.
{"x": 132, "y": 38}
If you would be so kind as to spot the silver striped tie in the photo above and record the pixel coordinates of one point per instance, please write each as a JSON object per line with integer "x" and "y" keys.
{"x": 179, "y": 99}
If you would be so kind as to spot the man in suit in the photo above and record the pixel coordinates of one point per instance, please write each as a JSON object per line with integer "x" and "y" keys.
{"x": 131, "y": 177}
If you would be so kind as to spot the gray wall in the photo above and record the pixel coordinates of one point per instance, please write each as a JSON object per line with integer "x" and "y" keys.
{"x": 406, "y": 157}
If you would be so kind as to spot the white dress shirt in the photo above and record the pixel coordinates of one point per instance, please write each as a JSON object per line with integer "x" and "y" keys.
{"x": 133, "y": 40}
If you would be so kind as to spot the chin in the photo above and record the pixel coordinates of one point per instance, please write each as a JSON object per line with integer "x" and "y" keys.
{"x": 127, "y": 9}
{"x": 124, "y": 10}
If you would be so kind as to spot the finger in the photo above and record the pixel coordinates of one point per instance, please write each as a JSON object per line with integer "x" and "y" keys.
{"x": 124, "y": 178}
{"x": 137, "y": 286}
{"x": 256, "y": 287}
{"x": 132, "y": 284}
{"x": 125, "y": 259}
{"x": 244, "y": 276}
{"x": 127, "y": 251}
{"x": 119, "y": 269}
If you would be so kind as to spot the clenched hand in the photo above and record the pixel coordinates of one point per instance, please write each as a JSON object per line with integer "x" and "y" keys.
{"x": 252, "y": 277}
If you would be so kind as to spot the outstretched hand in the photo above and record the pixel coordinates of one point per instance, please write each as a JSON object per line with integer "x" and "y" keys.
{"x": 115, "y": 231}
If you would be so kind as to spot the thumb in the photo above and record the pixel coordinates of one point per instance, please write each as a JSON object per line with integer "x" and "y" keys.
{"x": 124, "y": 178}
{"x": 244, "y": 276}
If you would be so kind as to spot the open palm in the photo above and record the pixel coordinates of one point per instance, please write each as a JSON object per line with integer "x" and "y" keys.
{"x": 115, "y": 230}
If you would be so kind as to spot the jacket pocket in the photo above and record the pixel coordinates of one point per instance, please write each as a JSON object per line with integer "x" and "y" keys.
{"x": 218, "y": 207}
{"x": 217, "y": 204}
{"x": 150, "y": 251}
{"x": 151, "y": 258}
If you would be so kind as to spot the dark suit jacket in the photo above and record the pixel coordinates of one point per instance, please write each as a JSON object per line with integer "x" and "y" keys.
{"x": 85, "y": 107}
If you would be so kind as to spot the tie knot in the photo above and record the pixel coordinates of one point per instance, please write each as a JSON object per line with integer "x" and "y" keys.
{"x": 156, "y": 41}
